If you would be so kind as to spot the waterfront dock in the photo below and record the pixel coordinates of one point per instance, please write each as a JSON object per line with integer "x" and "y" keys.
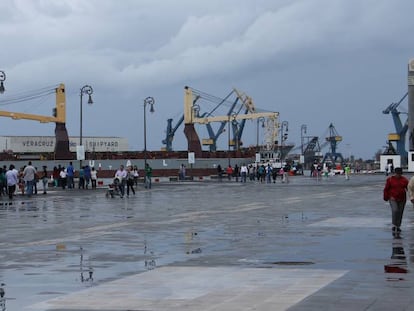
{"x": 308, "y": 245}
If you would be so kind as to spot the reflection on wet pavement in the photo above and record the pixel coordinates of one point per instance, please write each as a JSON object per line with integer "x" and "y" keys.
{"x": 398, "y": 262}
{"x": 73, "y": 241}
{"x": 2, "y": 298}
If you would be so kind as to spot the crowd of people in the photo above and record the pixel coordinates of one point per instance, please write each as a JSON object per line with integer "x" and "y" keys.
{"x": 264, "y": 173}
{"x": 128, "y": 178}
{"x": 27, "y": 179}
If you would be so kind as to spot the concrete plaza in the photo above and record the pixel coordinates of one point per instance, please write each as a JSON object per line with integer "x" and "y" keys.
{"x": 208, "y": 245}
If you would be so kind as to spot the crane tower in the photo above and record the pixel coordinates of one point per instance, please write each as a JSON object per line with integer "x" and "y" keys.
{"x": 333, "y": 139}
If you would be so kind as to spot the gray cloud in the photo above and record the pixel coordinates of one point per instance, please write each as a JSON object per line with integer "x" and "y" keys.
{"x": 128, "y": 49}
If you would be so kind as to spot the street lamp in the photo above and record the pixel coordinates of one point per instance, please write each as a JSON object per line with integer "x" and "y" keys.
{"x": 2, "y": 78}
{"x": 235, "y": 126}
{"x": 228, "y": 146}
{"x": 194, "y": 114}
{"x": 283, "y": 136}
{"x": 261, "y": 119}
{"x": 147, "y": 101}
{"x": 86, "y": 89}
{"x": 229, "y": 138}
{"x": 302, "y": 132}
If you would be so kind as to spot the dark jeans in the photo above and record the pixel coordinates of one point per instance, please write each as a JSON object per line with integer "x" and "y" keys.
{"x": 244, "y": 176}
{"x": 81, "y": 183}
{"x": 29, "y": 187}
{"x": 11, "y": 190}
{"x": 62, "y": 182}
{"x": 70, "y": 182}
{"x": 130, "y": 184}
{"x": 122, "y": 187}
{"x": 397, "y": 210}
{"x": 148, "y": 182}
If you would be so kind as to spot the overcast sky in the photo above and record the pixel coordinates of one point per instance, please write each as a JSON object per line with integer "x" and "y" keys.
{"x": 316, "y": 62}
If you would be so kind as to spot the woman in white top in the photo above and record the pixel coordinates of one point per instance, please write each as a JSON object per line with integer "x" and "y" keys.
{"x": 12, "y": 180}
{"x": 62, "y": 177}
{"x": 94, "y": 177}
{"x": 136, "y": 175}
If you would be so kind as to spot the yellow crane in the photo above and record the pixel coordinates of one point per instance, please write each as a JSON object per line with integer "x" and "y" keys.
{"x": 62, "y": 151}
{"x": 191, "y": 117}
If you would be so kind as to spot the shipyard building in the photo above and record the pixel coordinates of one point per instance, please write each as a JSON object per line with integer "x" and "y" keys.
{"x": 46, "y": 144}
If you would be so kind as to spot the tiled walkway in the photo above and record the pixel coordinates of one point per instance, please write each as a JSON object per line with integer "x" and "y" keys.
{"x": 306, "y": 245}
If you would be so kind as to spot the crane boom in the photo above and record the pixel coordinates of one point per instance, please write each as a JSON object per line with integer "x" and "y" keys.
{"x": 62, "y": 151}
{"x": 59, "y": 111}
{"x": 251, "y": 116}
{"x": 27, "y": 116}
{"x": 191, "y": 118}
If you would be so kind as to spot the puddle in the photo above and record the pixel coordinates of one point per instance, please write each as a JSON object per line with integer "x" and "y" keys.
{"x": 292, "y": 263}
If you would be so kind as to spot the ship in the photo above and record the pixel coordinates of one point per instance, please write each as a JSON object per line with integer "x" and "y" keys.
{"x": 108, "y": 153}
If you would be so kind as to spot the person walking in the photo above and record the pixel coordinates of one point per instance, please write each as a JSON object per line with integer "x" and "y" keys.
{"x": 148, "y": 175}
{"x": 55, "y": 176}
{"x": 81, "y": 184}
{"x": 3, "y": 182}
{"x": 36, "y": 180}
{"x": 87, "y": 172}
{"x": 29, "y": 173}
{"x": 63, "y": 177}
{"x": 12, "y": 180}
{"x": 274, "y": 173}
{"x": 70, "y": 172}
{"x": 395, "y": 193}
{"x": 252, "y": 172}
{"x": 243, "y": 172}
{"x": 121, "y": 174}
{"x": 347, "y": 171}
{"x": 268, "y": 170}
{"x": 130, "y": 181}
{"x": 181, "y": 172}
{"x": 136, "y": 175}
{"x": 261, "y": 171}
{"x": 286, "y": 172}
{"x": 229, "y": 171}
{"x": 94, "y": 177}
{"x": 236, "y": 172}
{"x": 21, "y": 183}
{"x": 410, "y": 188}
{"x": 45, "y": 179}
{"x": 220, "y": 172}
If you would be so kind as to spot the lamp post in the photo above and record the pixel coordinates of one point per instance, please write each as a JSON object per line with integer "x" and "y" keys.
{"x": 261, "y": 119}
{"x": 195, "y": 110}
{"x": 302, "y": 132}
{"x": 147, "y": 101}
{"x": 228, "y": 146}
{"x": 233, "y": 116}
{"x": 86, "y": 89}
{"x": 191, "y": 158}
{"x": 235, "y": 126}
{"x": 283, "y": 136}
{"x": 2, "y": 78}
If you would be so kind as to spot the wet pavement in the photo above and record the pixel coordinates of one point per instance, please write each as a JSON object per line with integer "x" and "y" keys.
{"x": 306, "y": 245}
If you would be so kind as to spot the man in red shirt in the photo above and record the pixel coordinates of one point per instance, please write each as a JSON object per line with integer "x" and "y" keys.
{"x": 395, "y": 193}
{"x": 229, "y": 172}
